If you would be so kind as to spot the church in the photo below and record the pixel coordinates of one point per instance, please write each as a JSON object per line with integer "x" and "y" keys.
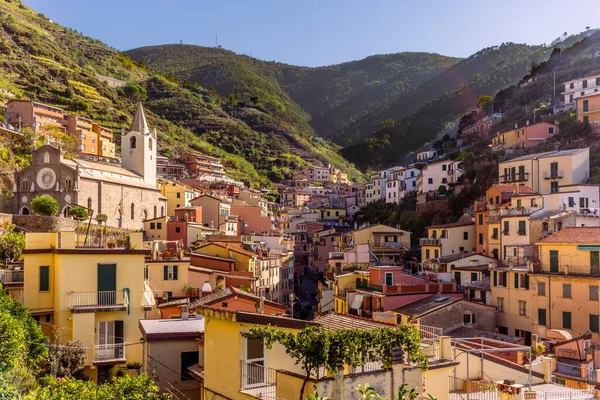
{"x": 127, "y": 194}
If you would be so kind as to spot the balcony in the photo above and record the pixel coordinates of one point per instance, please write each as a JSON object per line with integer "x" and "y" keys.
{"x": 517, "y": 177}
{"x": 514, "y": 212}
{"x": 12, "y": 278}
{"x": 430, "y": 242}
{"x": 374, "y": 287}
{"x": 114, "y": 300}
{"x": 257, "y": 380}
{"x": 336, "y": 255}
{"x": 109, "y": 353}
{"x": 577, "y": 270}
{"x": 390, "y": 245}
{"x": 556, "y": 174}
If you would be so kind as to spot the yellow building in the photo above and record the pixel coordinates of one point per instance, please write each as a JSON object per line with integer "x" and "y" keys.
{"x": 167, "y": 275}
{"x": 106, "y": 146}
{"x": 511, "y": 297}
{"x": 177, "y": 195}
{"x": 328, "y": 214}
{"x": 94, "y": 295}
{"x": 343, "y": 285}
{"x": 447, "y": 239}
{"x": 588, "y": 110}
{"x": 566, "y": 283}
{"x": 244, "y": 260}
{"x": 545, "y": 172}
{"x": 156, "y": 228}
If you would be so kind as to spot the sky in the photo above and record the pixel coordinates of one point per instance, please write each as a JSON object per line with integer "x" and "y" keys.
{"x": 323, "y": 32}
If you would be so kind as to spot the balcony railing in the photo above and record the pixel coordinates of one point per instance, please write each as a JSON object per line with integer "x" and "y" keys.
{"x": 109, "y": 352}
{"x": 98, "y": 300}
{"x": 556, "y": 174}
{"x": 257, "y": 380}
{"x": 390, "y": 245}
{"x": 369, "y": 286}
{"x": 579, "y": 371}
{"x": 430, "y": 242}
{"x": 581, "y": 270}
{"x": 517, "y": 177}
{"x": 8, "y": 277}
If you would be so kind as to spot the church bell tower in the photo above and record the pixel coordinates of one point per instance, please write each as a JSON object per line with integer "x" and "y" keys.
{"x": 138, "y": 148}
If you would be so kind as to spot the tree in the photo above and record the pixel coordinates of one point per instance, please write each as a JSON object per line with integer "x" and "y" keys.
{"x": 79, "y": 212}
{"x": 134, "y": 92}
{"x": 68, "y": 143}
{"x": 484, "y": 100}
{"x": 12, "y": 243}
{"x": 315, "y": 347}
{"x": 45, "y": 206}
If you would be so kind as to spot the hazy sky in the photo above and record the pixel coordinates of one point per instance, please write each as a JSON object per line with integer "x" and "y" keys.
{"x": 322, "y": 32}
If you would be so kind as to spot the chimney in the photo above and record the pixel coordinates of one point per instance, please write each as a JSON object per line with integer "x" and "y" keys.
{"x": 206, "y": 289}
{"x": 260, "y": 306}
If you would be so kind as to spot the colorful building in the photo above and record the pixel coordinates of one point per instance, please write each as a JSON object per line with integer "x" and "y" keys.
{"x": 588, "y": 110}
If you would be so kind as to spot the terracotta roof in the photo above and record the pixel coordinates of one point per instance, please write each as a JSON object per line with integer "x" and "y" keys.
{"x": 513, "y": 189}
{"x": 230, "y": 247}
{"x": 230, "y": 291}
{"x": 336, "y": 322}
{"x": 575, "y": 235}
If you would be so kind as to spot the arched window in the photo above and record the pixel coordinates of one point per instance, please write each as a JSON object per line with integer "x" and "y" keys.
{"x": 162, "y": 211}
{"x": 132, "y": 142}
{"x": 68, "y": 183}
{"x": 24, "y": 184}
{"x": 89, "y": 205}
{"x": 46, "y": 158}
{"x": 119, "y": 219}
{"x": 24, "y": 211}
{"x": 132, "y": 211}
{"x": 150, "y": 144}
{"x": 155, "y": 212}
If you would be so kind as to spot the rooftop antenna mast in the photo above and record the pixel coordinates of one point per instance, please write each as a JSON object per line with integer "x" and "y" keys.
{"x": 216, "y": 40}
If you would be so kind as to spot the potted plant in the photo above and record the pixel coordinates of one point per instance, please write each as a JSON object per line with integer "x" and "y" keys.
{"x": 190, "y": 291}
{"x": 79, "y": 213}
{"x": 110, "y": 243}
{"x": 101, "y": 218}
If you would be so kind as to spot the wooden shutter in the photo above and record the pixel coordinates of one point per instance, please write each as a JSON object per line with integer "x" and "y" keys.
{"x": 594, "y": 323}
{"x": 516, "y": 280}
{"x": 495, "y": 278}
{"x": 527, "y": 282}
{"x": 44, "y": 279}
{"x": 542, "y": 316}
{"x": 505, "y": 279}
{"x": 119, "y": 332}
{"x": 553, "y": 260}
{"x": 566, "y": 320}
{"x": 175, "y": 272}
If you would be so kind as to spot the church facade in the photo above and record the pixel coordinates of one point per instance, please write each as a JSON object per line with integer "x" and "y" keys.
{"x": 127, "y": 194}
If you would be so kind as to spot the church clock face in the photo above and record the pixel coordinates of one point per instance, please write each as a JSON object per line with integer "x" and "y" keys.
{"x": 46, "y": 178}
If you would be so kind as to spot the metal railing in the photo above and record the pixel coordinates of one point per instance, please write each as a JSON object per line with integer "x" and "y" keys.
{"x": 516, "y": 177}
{"x": 553, "y": 174}
{"x": 583, "y": 270}
{"x": 369, "y": 286}
{"x": 12, "y": 276}
{"x": 369, "y": 366}
{"x": 112, "y": 298}
{"x": 109, "y": 352}
{"x": 430, "y": 242}
{"x": 578, "y": 371}
{"x": 258, "y": 380}
{"x": 566, "y": 394}
{"x": 461, "y": 389}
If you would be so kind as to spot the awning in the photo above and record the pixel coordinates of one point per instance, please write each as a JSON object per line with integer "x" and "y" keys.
{"x": 588, "y": 248}
{"x": 357, "y": 303}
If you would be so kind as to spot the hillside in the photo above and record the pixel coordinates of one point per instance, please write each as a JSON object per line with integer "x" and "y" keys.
{"x": 324, "y": 99}
{"x": 41, "y": 60}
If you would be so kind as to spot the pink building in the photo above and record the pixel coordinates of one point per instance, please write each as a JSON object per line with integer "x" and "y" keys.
{"x": 253, "y": 220}
{"x": 532, "y": 135}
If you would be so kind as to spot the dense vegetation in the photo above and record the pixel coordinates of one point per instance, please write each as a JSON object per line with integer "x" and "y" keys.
{"x": 46, "y": 62}
{"x": 327, "y": 98}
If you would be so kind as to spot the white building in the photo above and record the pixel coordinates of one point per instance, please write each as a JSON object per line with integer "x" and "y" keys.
{"x": 401, "y": 182}
{"x": 578, "y": 88}
{"x": 437, "y": 174}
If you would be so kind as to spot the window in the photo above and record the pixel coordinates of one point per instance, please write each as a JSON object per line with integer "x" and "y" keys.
{"x": 542, "y": 316}
{"x": 521, "y": 281}
{"x": 132, "y": 142}
{"x": 584, "y": 84}
{"x": 497, "y": 199}
{"x": 566, "y": 290}
{"x": 541, "y": 288}
{"x": 436, "y": 253}
{"x": 152, "y": 225}
{"x": 495, "y": 233}
{"x": 500, "y": 304}
{"x": 474, "y": 277}
{"x": 550, "y": 130}
{"x": 159, "y": 225}
{"x": 500, "y": 278}
{"x": 46, "y": 158}
{"x": 44, "y": 279}
{"x": 571, "y": 85}
{"x": 468, "y": 318}
{"x": 554, "y": 187}
{"x": 594, "y": 292}
{"x": 519, "y": 203}
{"x": 481, "y": 238}
{"x": 427, "y": 254}
{"x": 430, "y": 181}
{"x": 522, "y": 228}
{"x": 506, "y": 228}
{"x": 570, "y": 98}
{"x": 566, "y": 320}
{"x": 594, "y": 323}
{"x": 177, "y": 229}
{"x": 188, "y": 358}
{"x": 586, "y": 106}
{"x": 522, "y": 308}
{"x": 155, "y": 212}
{"x": 480, "y": 216}
{"x": 24, "y": 184}
{"x": 465, "y": 235}
{"x": 170, "y": 273}
{"x": 178, "y": 195}
{"x": 150, "y": 143}
{"x": 586, "y": 119}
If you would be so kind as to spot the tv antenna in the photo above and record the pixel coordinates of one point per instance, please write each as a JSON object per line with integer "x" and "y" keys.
{"x": 217, "y": 40}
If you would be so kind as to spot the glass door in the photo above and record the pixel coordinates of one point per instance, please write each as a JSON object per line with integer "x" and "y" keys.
{"x": 106, "y": 340}
{"x": 254, "y": 371}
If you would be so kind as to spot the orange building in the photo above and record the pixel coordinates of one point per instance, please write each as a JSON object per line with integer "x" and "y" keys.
{"x": 30, "y": 114}
{"x": 253, "y": 219}
{"x": 82, "y": 128}
{"x": 106, "y": 147}
{"x": 588, "y": 110}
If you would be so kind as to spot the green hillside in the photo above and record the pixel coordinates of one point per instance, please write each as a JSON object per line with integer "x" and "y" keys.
{"x": 324, "y": 99}
{"x": 41, "y": 60}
